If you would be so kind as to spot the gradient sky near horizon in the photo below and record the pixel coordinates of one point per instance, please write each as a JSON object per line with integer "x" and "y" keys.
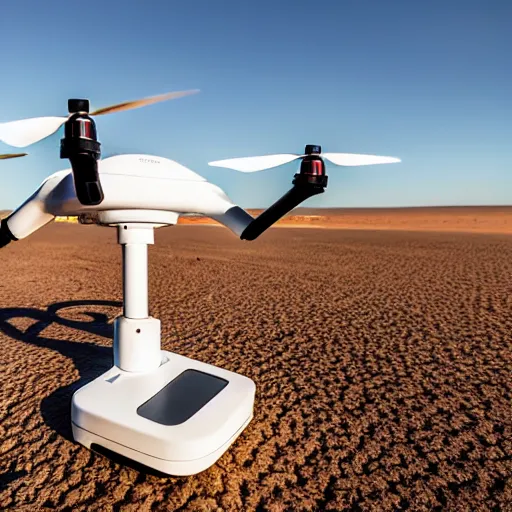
{"x": 429, "y": 82}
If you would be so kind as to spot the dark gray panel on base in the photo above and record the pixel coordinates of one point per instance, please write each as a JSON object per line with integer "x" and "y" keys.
{"x": 182, "y": 397}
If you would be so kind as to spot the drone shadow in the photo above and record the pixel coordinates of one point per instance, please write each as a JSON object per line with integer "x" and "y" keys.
{"x": 89, "y": 359}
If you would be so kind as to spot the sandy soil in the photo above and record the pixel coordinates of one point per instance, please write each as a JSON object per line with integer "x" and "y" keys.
{"x": 382, "y": 362}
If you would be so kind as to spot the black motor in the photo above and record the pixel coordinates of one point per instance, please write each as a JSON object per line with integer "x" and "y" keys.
{"x": 310, "y": 181}
{"x": 80, "y": 145}
{"x": 312, "y": 168}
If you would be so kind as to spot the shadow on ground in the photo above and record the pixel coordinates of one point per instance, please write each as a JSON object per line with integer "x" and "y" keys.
{"x": 89, "y": 359}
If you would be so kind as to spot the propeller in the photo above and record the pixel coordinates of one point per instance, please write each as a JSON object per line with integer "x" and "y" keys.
{"x": 25, "y": 132}
{"x": 12, "y": 155}
{"x": 259, "y": 163}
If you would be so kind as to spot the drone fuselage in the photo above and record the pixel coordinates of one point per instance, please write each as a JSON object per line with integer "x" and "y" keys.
{"x": 130, "y": 183}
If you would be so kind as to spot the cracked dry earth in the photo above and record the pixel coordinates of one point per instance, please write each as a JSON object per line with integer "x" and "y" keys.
{"x": 382, "y": 362}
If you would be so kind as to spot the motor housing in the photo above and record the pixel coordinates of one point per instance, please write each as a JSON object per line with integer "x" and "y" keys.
{"x": 81, "y": 147}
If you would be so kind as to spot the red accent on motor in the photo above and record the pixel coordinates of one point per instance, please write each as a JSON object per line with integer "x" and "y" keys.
{"x": 80, "y": 126}
{"x": 312, "y": 165}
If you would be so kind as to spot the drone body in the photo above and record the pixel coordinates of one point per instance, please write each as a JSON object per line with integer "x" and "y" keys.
{"x": 130, "y": 183}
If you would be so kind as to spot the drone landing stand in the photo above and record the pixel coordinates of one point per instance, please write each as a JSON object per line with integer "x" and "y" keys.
{"x": 164, "y": 410}
{"x": 178, "y": 419}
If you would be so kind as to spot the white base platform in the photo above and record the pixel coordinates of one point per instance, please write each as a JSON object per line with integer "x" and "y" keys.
{"x": 104, "y": 412}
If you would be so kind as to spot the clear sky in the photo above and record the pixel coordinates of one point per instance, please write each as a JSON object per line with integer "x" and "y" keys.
{"x": 429, "y": 82}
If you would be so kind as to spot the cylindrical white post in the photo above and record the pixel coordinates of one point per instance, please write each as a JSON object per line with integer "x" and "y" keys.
{"x": 135, "y": 280}
{"x": 136, "y": 334}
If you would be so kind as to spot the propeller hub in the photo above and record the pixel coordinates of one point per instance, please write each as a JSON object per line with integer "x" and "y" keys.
{"x": 76, "y": 105}
{"x": 312, "y": 149}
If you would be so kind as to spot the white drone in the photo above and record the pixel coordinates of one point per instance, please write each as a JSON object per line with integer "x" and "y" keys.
{"x": 164, "y": 410}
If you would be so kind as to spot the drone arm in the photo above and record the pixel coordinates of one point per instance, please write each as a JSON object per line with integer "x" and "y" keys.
{"x": 309, "y": 181}
{"x": 249, "y": 228}
{"x": 235, "y": 218}
{"x": 26, "y": 219}
{"x": 296, "y": 195}
{"x": 31, "y": 215}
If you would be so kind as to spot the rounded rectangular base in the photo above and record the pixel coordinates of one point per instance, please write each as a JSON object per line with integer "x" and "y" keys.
{"x": 178, "y": 419}
{"x": 169, "y": 467}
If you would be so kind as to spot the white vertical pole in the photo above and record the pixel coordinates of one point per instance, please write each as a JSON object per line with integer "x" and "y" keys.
{"x": 134, "y": 239}
{"x": 135, "y": 280}
{"x": 136, "y": 334}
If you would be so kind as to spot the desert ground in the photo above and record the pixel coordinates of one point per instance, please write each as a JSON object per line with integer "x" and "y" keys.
{"x": 382, "y": 356}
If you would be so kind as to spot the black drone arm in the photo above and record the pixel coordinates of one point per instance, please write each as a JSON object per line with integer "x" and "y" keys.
{"x": 311, "y": 181}
{"x": 296, "y": 195}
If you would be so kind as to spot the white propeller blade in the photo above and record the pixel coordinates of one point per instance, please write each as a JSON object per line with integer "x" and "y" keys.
{"x": 255, "y": 163}
{"x": 349, "y": 159}
{"x": 28, "y": 131}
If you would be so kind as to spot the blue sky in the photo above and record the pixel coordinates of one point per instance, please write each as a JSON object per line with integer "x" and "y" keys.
{"x": 429, "y": 82}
